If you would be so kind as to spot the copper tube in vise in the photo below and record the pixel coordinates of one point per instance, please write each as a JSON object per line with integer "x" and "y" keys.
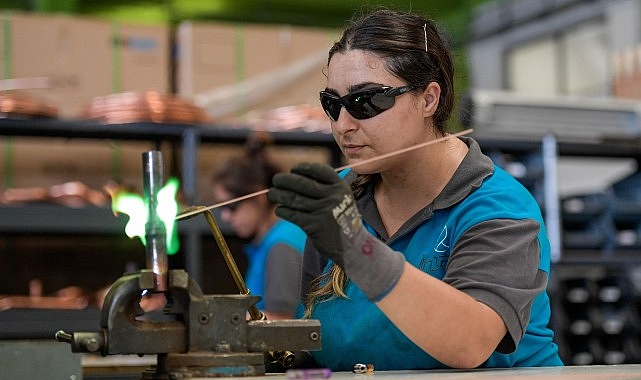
{"x": 155, "y": 231}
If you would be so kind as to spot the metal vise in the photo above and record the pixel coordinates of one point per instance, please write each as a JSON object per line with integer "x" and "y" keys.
{"x": 210, "y": 336}
{"x": 204, "y": 335}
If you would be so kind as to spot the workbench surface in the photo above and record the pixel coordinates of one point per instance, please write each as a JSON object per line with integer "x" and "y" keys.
{"x": 611, "y": 372}
{"x": 101, "y": 365}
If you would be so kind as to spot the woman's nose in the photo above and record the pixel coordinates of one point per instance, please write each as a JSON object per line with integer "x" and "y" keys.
{"x": 345, "y": 122}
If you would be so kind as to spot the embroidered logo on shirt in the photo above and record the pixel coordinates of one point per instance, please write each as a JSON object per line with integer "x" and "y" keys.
{"x": 441, "y": 246}
{"x": 433, "y": 264}
{"x": 439, "y": 257}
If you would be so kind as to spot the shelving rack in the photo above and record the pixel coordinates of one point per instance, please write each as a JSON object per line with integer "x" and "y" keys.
{"x": 518, "y": 126}
{"x": 189, "y": 138}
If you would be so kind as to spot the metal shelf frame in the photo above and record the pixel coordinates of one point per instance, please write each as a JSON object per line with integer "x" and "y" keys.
{"x": 46, "y": 218}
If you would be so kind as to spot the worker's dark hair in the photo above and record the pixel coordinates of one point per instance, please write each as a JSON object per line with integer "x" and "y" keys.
{"x": 250, "y": 172}
{"x": 413, "y": 49}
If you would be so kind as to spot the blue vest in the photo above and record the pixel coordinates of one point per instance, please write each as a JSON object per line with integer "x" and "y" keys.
{"x": 356, "y": 331}
{"x": 283, "y": 232}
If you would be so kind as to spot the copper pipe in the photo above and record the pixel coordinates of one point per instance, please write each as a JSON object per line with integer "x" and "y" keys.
{"x": 155, "y": 231}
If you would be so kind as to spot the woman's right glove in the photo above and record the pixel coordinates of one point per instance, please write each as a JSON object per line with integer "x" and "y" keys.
{"x": 315, "y": 198}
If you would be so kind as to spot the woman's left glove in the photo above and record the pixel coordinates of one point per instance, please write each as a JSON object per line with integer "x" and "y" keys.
{"x": 315, "y": 198}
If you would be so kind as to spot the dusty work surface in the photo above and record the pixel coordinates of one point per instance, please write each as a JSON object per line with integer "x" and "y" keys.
{"x": 613, "y": 372}
{"x": 97, "y": 365}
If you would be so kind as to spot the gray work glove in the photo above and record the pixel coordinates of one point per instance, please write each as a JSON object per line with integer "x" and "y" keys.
{"x": 315, "y": 198}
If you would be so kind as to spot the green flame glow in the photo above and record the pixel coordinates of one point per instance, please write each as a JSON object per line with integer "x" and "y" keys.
{"x": 167, "y": 211}
{"x": 134, "y": 206}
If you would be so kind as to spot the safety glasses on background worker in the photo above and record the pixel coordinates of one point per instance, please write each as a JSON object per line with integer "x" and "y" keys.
{"x": 362, "y": 104}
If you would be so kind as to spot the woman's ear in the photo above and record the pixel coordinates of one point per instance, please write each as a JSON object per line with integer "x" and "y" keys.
{"x": 432, "y": 94}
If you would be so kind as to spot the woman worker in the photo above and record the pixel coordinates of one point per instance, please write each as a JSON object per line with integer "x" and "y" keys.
{"x": 437, "y": 257}
{"x": 274, "y": 254}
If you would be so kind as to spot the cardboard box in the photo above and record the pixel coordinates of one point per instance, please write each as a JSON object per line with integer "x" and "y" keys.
{"x": 85, "y": 58}
{"x": 78, "y": 59}
{"x": 45, "y": 161}
{"x": 143, "y": 58}
{"x": 70, "y": 61}
{"x": 206, "y": 56}
{"x": 230, "y": 69}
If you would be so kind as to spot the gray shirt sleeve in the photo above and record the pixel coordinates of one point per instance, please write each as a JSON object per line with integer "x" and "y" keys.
{"x": 282, "y": 279}
{"x": 497, "y": 263}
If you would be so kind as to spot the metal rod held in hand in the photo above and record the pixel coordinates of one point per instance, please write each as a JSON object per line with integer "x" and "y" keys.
{"x": 193, "y": 210}
{"x": 285, "y": 358}
{"x": 231, "y": 264}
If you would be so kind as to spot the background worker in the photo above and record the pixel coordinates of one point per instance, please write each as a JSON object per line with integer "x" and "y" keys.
{"x": 437, "y": 257}
{"x": 274, "y": 254}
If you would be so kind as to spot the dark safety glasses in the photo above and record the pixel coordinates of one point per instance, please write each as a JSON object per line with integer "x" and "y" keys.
{"x": 362, "y": 104}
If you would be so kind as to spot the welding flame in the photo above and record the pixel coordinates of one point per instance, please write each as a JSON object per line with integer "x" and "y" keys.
{"x": 133, "y": 205}
{"x": 167, "y": 211}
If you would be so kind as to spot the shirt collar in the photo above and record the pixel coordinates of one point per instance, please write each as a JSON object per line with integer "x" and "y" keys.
{"x": 469, "y": 176}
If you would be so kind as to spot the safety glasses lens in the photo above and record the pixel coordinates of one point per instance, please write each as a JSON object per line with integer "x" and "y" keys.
{"x": 368, "y": 103}
{"x": 331, "y": 104}
{"x": 361, "y": 104}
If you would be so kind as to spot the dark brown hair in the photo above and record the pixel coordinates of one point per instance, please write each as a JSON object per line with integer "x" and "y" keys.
{"x": 251, "y": 171}
{"x": 413, "y": 49}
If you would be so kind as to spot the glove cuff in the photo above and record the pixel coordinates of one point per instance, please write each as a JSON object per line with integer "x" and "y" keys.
{"x": 373, "y": 266}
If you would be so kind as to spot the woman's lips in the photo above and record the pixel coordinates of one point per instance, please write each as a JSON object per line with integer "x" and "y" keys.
{"x": 352, "y": 149}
